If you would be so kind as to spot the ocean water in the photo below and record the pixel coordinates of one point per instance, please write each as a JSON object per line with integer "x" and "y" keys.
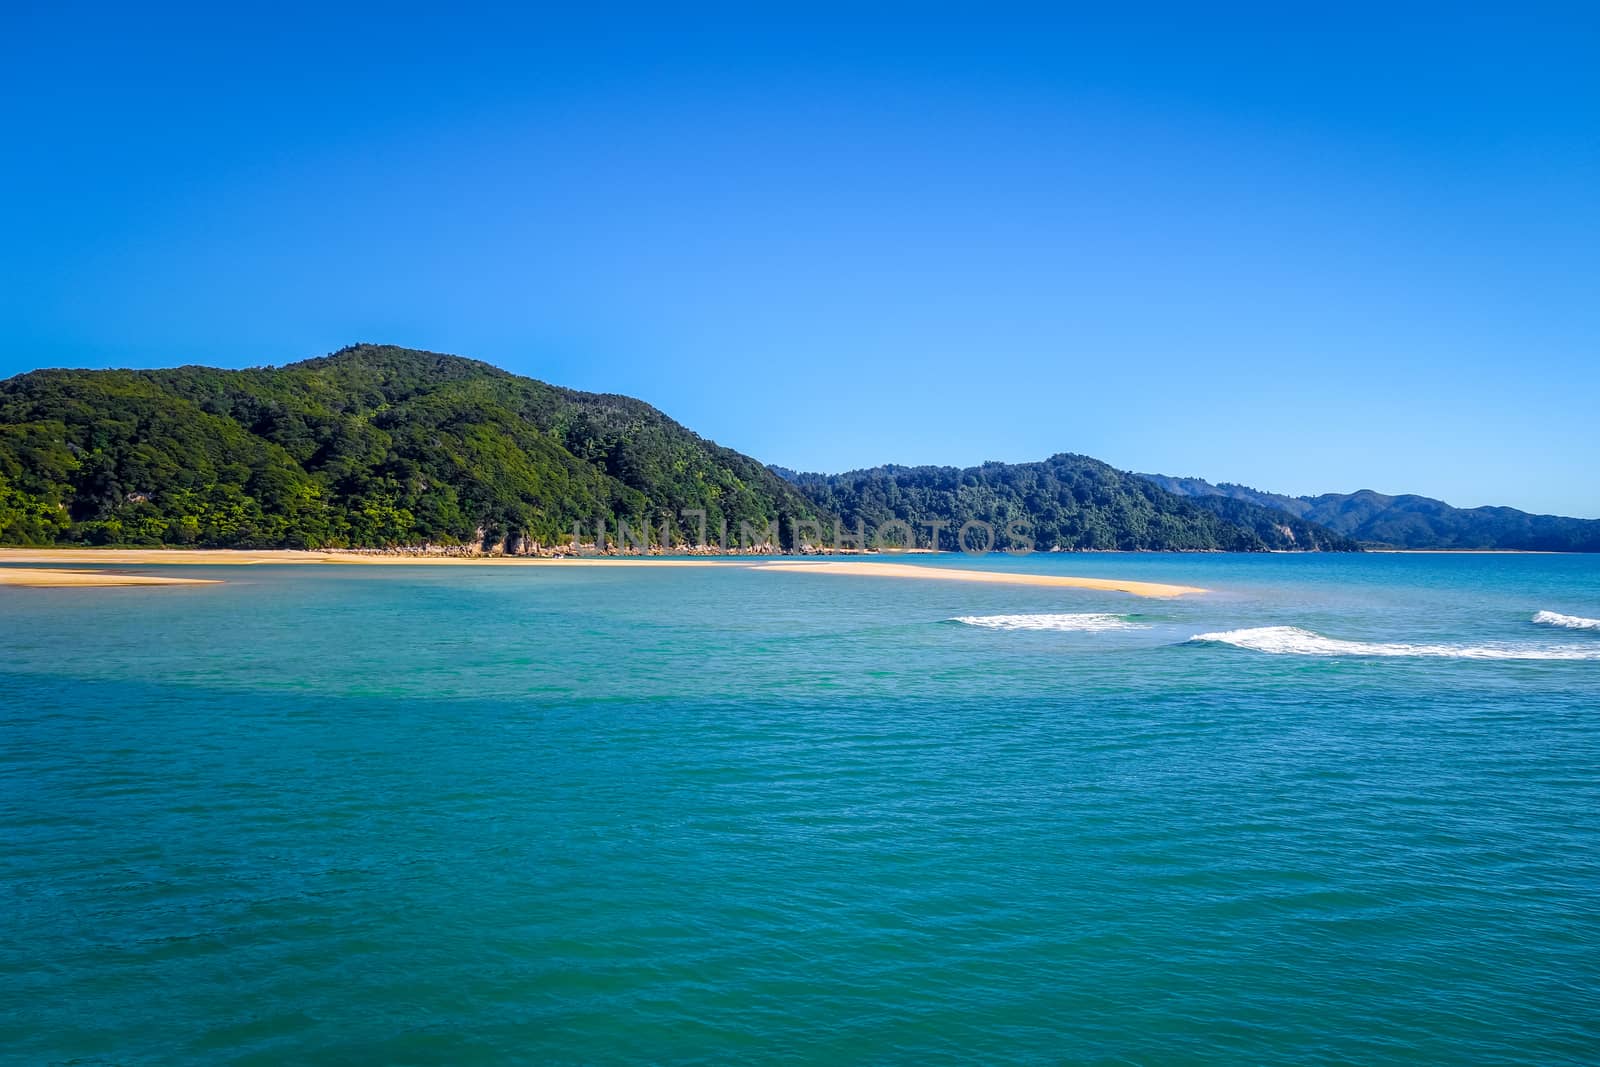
{"x": 1340, "y": 809}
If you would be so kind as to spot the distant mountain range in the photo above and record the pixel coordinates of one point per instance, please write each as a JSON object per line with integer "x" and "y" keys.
{"x": 1407, "y": 521}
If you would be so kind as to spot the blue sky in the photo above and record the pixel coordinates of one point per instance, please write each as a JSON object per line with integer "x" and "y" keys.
{"x": 1310, "y": 251}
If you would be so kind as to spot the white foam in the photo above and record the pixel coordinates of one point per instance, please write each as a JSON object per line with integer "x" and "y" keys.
{"x": 1571, "y": 622}
{"x": 1291, "y": 640}
{"x": 1080, "y": 623}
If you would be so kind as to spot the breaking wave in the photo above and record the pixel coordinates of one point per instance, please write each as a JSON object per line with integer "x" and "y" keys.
{"x": 1291, "y": 640}
{"x": 1570, "y": 622}
{"x": 1080, "y": 623}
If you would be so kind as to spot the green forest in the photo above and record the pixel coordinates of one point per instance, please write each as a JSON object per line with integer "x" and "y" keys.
{"x": 1067, "y": 502}
{"x": 372, "y": 446}
{"x": 375, "y": 446}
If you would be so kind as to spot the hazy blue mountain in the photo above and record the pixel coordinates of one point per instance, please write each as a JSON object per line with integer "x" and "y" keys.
{"x": 1407, "y": 521}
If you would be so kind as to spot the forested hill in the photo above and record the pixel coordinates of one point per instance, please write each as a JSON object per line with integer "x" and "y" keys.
{"x": 1068, "y": 503}
{"x": 371, "y": 446}
{"x": 1407, "y": 521}
{"x": 377, "y": 446}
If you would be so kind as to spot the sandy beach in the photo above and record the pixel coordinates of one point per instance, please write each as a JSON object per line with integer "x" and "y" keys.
{"x": 229, "y": 557}
{"x": 951, "y": 574}
{"x": 42, "y": 578}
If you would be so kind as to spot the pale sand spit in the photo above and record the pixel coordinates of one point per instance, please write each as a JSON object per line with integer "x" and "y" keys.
{"x": 951, "y": 574}
{"x": 51, "y": 579}
{"x": 234, "y": 557}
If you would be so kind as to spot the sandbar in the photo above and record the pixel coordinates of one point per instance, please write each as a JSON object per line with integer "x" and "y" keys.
{"x": 952, "y": 574}
{"x": 41, "y": 578}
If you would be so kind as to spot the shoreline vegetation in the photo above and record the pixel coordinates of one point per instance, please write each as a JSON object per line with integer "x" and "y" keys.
{"x": 20, "y": 567}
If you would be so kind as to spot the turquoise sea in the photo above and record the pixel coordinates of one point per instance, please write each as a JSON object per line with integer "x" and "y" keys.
{"x": 408, "y": 815}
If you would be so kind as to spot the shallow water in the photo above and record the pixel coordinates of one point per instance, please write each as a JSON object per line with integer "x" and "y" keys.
{"x": 346, "y": 814}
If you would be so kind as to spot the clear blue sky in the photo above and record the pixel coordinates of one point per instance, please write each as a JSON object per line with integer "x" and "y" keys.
{"x": 1306, "y": 248}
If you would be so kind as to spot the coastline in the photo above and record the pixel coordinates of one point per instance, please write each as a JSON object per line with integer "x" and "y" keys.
{"x": 34, "y": 575}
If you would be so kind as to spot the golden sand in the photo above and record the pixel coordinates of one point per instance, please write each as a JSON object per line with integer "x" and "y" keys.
{"x": 41, "y": 578}
{"x": 235, "y": 557}
{"x": 951, "y": 574}
{"x": 231, "y": 557}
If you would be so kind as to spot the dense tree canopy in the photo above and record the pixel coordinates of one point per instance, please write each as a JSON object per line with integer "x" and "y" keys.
{"x": 1067, "y": 502}
{"x": 377, "y": 446}
{"x": 371, "y": 446}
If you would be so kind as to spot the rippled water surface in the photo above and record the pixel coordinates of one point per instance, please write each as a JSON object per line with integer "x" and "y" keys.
{"x": 455, "y": 815}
